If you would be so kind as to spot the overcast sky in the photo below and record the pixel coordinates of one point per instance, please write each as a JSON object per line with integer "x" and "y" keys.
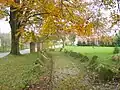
{"x": 4, "y": 26}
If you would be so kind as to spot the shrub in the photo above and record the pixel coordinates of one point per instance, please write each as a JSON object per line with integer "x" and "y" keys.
{"x": 51, "y": 49}
{"x": 71, "y": 53}
{"x": 105, "y": 73}
{"x": 84, "y": 59}
{"x": 79, "y": 43}
{"x": 78, "y": 55}
{"x": 116, "y": 50}
{"x": 116, "y": 57}
{"x": 65, "y": 51}
{"x": 93, "y": 63}
{"x": 75, "y": 54}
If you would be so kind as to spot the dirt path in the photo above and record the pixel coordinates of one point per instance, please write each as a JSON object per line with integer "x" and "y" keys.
{"x": 66, "y": 66}
{"x": 63, "y": 67}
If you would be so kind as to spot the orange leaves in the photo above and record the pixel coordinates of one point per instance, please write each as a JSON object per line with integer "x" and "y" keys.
{"x": 89, "y": 28}
{"x": 6, "y": 1}
{"x": 78, "y": 29}
{"x": 106, "y": 38}
{"x": 20, "y": 31}
{"x": 56, "y": 12}
{"x": 10, "y": 2}
{"x": 83, "y": 29}
{"x": 48, "y": 26}
{"x": 52, "y": 9}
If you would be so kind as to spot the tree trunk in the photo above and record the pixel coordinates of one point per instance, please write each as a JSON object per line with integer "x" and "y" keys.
{"x": 41, "y": 46}
{"x": 14, "y": 27}
{"x": 32, "y": 47}
{"x": 63, "y": 42}
{"x": 38, "y": 46}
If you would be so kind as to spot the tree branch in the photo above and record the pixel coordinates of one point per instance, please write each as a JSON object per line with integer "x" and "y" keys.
{"x": 36, "y": 14}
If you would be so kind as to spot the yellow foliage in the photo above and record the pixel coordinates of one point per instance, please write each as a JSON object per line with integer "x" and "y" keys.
{"x": 49, "y": 26}
{"x": 20, "y": 31}
{"x": 56, "y": 19}
{"x": 83, "y": 29}
{"x": 7, "y": 2}
{"x": 106, "y": 39}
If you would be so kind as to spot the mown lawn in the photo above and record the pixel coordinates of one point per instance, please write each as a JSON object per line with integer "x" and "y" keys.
{"x": 91, "y": 49}
{"x": 17, "y": 71}
{"x": 104, "y": 53}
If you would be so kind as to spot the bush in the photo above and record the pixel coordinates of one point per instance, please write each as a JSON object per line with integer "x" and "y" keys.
{"x": 65, "y": 51}
{"x": 51, "y": 49}
{"x": 79, "y": 55}
{"x": 116, "y": 50}
{"x": 74, "y": 54}
{"x": 105, "y": 73}
{"x": 71, "y": 53}
{"x": 84, "y": 59}
{"x": 116, "y": 57}
{"x": 79, "y": 43}
{"x": 93, "y": 63}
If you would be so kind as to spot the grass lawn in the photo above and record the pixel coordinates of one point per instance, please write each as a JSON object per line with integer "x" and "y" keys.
{"x": 16, "y": 71}
{"x": 104, "y": 53}
{"x": 91, "y": 49}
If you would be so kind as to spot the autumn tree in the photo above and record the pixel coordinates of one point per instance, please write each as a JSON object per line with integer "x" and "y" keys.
{"x": 15, "y": 25}
{"x": 57, "y": 16}
{"x": 21, "y": 14}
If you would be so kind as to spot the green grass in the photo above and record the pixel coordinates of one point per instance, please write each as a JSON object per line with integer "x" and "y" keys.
{"x": 15, "y": 71}
{"x": 104, "y": 53}
{"x": 91, "y": 50}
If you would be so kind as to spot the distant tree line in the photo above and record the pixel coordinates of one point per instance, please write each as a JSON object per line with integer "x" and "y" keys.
{"x": 5, "y": 42}
{"x": 100, "y": 43}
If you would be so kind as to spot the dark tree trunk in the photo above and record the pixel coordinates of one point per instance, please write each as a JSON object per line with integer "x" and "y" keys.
{"x": 14, "y": 23}
{"x": 38, "y": 46}
{"x": 41, "y": 46}
{"x": 63, "y": 45}
{"x": 32, "y": 47}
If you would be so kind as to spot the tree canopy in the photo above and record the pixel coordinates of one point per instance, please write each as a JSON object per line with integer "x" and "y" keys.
{"x": 40, "y": 19}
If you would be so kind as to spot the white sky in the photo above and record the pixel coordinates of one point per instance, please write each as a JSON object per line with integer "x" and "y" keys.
{"x": 4, "y": 26}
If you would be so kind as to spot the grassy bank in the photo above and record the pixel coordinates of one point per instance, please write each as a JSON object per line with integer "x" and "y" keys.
{"x": 17, "y": 71}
